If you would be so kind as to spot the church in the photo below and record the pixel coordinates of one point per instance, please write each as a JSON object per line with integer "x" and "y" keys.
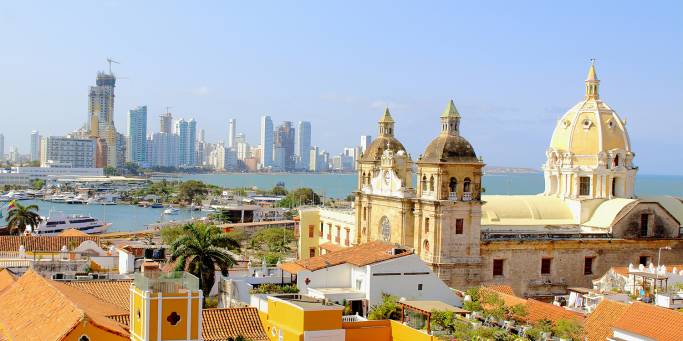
{"x": 587, "y": 220}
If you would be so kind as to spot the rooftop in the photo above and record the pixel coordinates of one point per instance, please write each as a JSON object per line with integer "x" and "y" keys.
{"x": 306, "y": 302}
{"x": 429, "y": 306}
{"x": 651, "y": 321}
{"x": 360, "y": 255}
{"x": 43, "y": 243}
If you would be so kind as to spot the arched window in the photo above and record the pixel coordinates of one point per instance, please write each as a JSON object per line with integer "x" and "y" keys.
{"x": 363, "y": 179}
{"x": 431, "y": 183}
{"x": 452, "y": 185}
{"x": 426, "y": 225}
{"x": 616, "y": 160}
{"x": 424, "y": 182}
{"x": 426, "y": 246}
{"x": 84, "y": 338}
{"x": 466, "y": 185}
{"x": 385, "y": 229}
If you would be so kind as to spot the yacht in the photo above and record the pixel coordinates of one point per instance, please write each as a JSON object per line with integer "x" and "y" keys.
{"x": 58, "y": 222}
{"x": 171, "y": 211}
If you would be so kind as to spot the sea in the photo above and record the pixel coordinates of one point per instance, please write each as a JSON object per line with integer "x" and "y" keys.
{"x": 133, "y": 218}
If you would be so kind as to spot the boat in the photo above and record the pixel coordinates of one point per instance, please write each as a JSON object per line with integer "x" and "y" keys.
{"x": 58, "y": 222}
{"x": 156, "y": 205}
{"x": 171, "y": 211}
{"x": 208, "y": 209}
{"x": 14, "y": 196}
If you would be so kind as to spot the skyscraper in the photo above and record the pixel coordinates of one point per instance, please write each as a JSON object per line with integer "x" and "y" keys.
{"x": 266, "y": 141}
{"x": 166, "y": 123}
{"x": 187, "y": 142}
{"x": 232, "y": 125}
{"x": 302, "y": 144}
{"x": 2, "y": 147}
{"x": 137, "y": 135}
{"x": 101, "y": 118}
{"x": 284, "y": 141}
{"x": 365, "y": 141}
{"x": 35, "y": 146}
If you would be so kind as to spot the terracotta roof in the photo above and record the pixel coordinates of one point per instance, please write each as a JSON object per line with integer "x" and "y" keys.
{"x": 220, "y": 324}
{"x": 536, "y": 310}
{"x": 331, "y": 247}
{"x": 502, "y": 288}
{"x": 598, "y": 326}
{"x": 7, "y": 278}
{"x": 360, "y": 255}
{"x": 72, "y": 233}
{"x": 651, "y": 321}
{"x": 57, "y": 310}
{"x": 114, "y": 292}
{"x": 42, "y": 243}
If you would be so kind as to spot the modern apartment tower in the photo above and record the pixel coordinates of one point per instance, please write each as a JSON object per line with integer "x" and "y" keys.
{"x": 302, "y": 144}
{"x": 232, "y": 125}
{"x": 284, "y": 145}
{"x": 365, "y": 141}
{"x": 166, "y": 123}
{"x": 101, "y": 119}
{"x": 68, "y": 152}
{"x": 35, "y": 146}
{"x": 137, "y": 135}
{"x": 187, "y": 140}
{"x": 266, "y": 140}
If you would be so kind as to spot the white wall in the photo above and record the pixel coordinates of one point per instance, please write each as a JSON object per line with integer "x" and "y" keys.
{"x": 126, "y": 262}
{"x": 407, "y": 285}
{"x": 332, "y": 277}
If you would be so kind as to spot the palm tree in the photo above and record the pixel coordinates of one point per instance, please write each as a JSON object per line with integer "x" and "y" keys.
{"x": 21, "y": 216}
{"x": 200, "y": 249}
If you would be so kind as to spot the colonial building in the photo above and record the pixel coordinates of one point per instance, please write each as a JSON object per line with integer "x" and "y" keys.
{"x": 586, "y": 220}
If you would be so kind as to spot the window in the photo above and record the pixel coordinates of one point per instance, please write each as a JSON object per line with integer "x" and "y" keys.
{"x": 616, "y": 160}
{"x": 459, "y": 223}
{"x": 322, "y": 227}
{"x": 84, "y": 338}
{"x": 426, "y": 225}
{"x": 614, "y": 187}
{"x": 426, "y": 246}
{"x": 310, "y": 231}
{"x": 431, "y": 183}
{"x": 385, "y": 228}
{"x": 365, "y": 213}
{"x": 419, "y": 287}
{"x": 311, "y": 252}
{"x": 545, "y": 266}
{"x": 588, "y": 266}
{"x": 424, "y": 183}
{"x": 452, "y": 185}
{"x": 497, "y": 267}
{"x": 644, "y": 260}
{"x": 644, "y": 220}
{"x": 466, "y": 185}
{"x": 584, "y": 185}
{"x": 173, "y": 318}
{"x": 359, "y": 284}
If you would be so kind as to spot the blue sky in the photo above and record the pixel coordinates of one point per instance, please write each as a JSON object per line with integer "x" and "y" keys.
{"x": 512, "y": 67}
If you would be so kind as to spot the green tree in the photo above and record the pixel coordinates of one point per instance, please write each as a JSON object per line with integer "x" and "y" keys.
{"x": 389, "y": 309}
{"x": 568, "y": 329}
{"x": 279, "y": 190}
{"x": 110, "y": 171}
{"x": 273, "y": 239}
{"x": 132, "y": 168}
{"x": 300, "y": 196}
{"x": 200, "y": 250}
{"x": 270, "y": 288}
{"x": 191, "y": 189}
{"x": 37, "y": 184}
{"x": 20, "y": 216}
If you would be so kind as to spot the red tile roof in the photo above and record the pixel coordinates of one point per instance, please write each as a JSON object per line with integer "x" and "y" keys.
{"x": 360, "y": 255}
{"x": 331, "y": 247}
{"x": 43, "y": 243}
{"x": 651, "y": 321}
{"x": 598, "y": 325}
{"x": 114, "y": 292}
{"x": 502, "y": 288}
{"x": 536, "y": 310}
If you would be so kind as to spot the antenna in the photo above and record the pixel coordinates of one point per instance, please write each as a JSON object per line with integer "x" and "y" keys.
{"x": 167, "y": 107}
{"x": 109, "y": 60}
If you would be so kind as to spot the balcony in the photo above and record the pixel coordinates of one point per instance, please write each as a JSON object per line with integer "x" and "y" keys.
{"x": 467, "y": 196}
{"x": 452, "y": 196}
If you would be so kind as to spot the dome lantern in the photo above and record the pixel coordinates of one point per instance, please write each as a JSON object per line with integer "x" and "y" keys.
{"x": 450, "y": 119}
{"x": 592, "y": 82}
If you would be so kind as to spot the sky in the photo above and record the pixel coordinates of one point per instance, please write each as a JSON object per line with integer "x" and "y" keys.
{"x": 512, "y": 68}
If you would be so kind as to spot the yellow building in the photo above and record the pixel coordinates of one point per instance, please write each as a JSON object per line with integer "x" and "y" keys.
{"x": 326, "y": 230}
{"x": 586, "y": 220}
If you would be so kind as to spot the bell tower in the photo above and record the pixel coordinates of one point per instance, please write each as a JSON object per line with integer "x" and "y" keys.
{"x": 165, "y": 306}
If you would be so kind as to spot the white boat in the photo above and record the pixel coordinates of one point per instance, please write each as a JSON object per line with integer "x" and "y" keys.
{"x": 208, "y": 209}
{"x": 171, "y": 211}
{"x": 58, "y": 222}
{"x": 14, "y": 196}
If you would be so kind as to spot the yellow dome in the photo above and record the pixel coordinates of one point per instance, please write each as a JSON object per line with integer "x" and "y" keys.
{"x": 591, "y": 126}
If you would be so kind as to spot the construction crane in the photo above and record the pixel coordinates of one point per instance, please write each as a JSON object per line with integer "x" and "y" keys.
{"x": 109, "y": 60}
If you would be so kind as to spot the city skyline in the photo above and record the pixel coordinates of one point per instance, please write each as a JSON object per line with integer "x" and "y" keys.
{"x": 516, "y": 98}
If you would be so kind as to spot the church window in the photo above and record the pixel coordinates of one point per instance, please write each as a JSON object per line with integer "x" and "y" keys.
{"x": 426, "y": 246}
{"x": 644, "y": 220}
{"x": 497, "y": 267}
{"x": 424, "y": 182}
{"x": 644, "y": 260}
{"x": 616, "y": 160}
{"x": 173, "y": 318}
{"x": 545, "y": 266}
{"x": 452, "y": 185}
{"x": 431, "y": 183}
{"x": 588, "y": 266}
{"x": 584, "y": 185}
{"x": 310, "y": 231}
{"x": 385, "y": 227}
{"x": 311, "y": 252}
{"x": 363, "y": 178}
{"x": 459, "y": 225}
{"x": 466, "y": 185}
{"x": 426, "y": 225}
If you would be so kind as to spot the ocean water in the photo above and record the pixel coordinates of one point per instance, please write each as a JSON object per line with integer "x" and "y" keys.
{"x": 132, "y": 218}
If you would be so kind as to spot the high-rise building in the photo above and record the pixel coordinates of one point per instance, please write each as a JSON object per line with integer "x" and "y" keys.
{"x": 232, "y": 125}
{"x": 77, "y": 153}
{"x": 2, "y": 147}
{"x": 365, "y": 141}
{"x": 313, "y": 162}
{"x": 101, "y": 119}
{"x": 137, "y": 135}
{"x": 302, "y": 144}
{"x": 166, "y": 123}
{"x": 284, "y": 139}
{"x": 266, "y": 140}
{"x": 14, "y": 154}
{"x": 164, "y": 150}
{"x": 35, "y": 146}
{"x": 187, "y": 139}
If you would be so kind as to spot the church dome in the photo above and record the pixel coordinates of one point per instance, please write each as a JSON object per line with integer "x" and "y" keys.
{"x": 449, "y": 146}
{"x": 590, "y": 127}
{"x": 379, "y": 145}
